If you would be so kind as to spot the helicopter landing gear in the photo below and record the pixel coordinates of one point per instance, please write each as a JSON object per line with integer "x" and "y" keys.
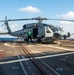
{"x": 56, "y": 36}
{"x": 25, "y": 39}
{"x": 39, "y": 40}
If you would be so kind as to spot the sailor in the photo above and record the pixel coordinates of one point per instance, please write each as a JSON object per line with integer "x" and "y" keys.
{"x": 29, "y": 36}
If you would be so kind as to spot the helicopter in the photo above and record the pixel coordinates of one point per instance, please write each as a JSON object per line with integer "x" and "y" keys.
{"x": 41, "y": 32}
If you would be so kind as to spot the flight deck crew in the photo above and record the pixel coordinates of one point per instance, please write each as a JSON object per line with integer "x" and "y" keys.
{"x": 29, "y": 36}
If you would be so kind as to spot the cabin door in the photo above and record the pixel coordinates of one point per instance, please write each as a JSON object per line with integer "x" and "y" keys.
{"x": 35, "y": 32}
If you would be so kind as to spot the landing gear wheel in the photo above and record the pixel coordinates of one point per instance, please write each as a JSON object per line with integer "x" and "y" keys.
{"x": 39, "y": 40}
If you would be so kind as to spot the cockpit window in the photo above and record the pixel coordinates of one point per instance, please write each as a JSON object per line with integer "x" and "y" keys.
{"x": 47, "y": 30}
{"x": 54, "y": 29}
{"x": 60, "y": 29}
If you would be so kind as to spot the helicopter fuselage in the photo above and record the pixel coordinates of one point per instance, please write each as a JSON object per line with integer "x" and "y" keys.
{"x": 41, "y": 31}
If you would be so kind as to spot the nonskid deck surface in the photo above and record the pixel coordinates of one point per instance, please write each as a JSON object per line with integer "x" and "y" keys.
{"x": 59, "y": 57}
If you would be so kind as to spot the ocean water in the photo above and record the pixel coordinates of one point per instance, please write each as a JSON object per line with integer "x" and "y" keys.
{"x": 8, "y": 39}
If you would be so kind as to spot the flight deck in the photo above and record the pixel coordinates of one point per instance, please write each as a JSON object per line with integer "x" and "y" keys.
{"x": 37, "y": 59}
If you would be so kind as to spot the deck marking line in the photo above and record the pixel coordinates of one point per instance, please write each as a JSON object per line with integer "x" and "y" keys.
{"x": 58, "y": 47}
{"x": 24, "y": 70}
{"x": 51, "y": 68}
{"x": 13, "y": 61}
{"x": 55, "y": 55}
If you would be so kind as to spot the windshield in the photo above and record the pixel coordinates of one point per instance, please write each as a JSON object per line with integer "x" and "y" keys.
{"x": 55, "y": 29}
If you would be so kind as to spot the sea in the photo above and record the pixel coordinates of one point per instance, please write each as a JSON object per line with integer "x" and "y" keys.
{"x": 10, "y": 39}
{"x": 20, "y": 39}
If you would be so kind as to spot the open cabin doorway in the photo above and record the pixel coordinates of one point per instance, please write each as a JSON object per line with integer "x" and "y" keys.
{"x": 35, "y": 32}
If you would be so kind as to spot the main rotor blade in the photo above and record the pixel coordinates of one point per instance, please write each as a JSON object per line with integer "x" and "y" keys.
{"x": 27, "y": 19}
{"x": 36, "y": 19}
{"x": 17, "y": 19}
{"x": 40, "y": 19}
{"x": 62, "y": 20}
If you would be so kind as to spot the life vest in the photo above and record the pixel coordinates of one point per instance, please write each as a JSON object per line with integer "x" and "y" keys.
{"x": 29, "y": 33}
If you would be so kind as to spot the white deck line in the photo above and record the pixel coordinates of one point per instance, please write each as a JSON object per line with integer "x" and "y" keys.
{"x": 24, "y": 70}
{"x": 13, "y": 61}
{"x": 55, "y": 55}
{"x": 25, "y": 59}
{"x": 51, "y": 68}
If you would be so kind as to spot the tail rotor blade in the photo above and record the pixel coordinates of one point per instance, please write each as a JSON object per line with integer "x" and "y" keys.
{"x": 5, "y": 17}
{"x": 2, "y": 24}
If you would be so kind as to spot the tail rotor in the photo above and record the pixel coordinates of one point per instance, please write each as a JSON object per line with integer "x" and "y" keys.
{"x": 5, "y": 22}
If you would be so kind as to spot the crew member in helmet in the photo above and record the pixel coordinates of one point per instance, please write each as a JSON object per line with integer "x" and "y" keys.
{"x": 29, "y": 36}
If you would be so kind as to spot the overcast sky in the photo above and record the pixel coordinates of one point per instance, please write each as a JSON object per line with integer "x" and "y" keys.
{"x": 63, "y": 9}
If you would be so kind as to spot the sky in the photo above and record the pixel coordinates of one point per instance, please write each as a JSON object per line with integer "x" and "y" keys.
{"x": 52, "y": 9}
